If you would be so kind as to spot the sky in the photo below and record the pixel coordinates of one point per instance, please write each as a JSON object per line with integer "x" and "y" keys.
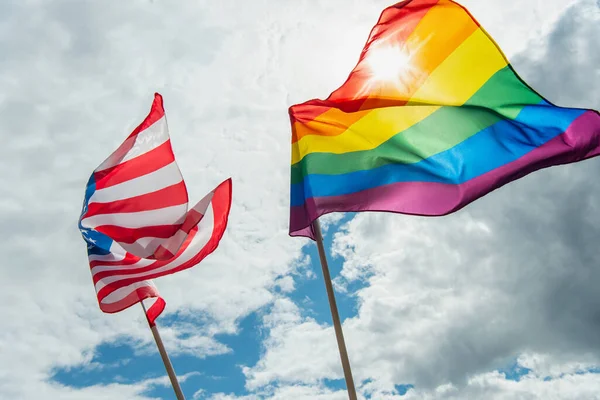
{"x": 496, "y": 301}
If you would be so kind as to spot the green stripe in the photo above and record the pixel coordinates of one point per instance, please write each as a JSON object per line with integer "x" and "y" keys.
{"x": 442, "y": 130}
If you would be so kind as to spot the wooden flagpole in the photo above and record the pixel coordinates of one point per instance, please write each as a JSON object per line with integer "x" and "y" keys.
{"x": 339, "y": 334}
{"x": 165, "y": 358}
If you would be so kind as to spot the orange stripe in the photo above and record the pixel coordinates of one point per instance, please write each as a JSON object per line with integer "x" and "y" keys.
{"x": 428, "y": 47}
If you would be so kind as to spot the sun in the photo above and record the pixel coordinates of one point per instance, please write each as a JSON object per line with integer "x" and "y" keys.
{"x": 389, "y": 66}
{"x": 388, "y": 63}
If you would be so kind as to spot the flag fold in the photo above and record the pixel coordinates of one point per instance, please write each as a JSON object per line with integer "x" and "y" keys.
{"x": 432, "y": 117}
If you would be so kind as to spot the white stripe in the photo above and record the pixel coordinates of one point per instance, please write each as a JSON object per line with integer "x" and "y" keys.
{"x": 157, "y": 180}
{"x": 117, "y": 253}
{"x": 203, "y": 204}
{"x": 116, "y": 248}
{"x": 125, "y": 291}
{"x": 144, "y": 247}
{"x": 106, "y": 257}
{"x": 163, "y": 216}
{"x": 139, "y": 264}
{"x": 117, "y": 155}
{"x": 149, "y": 302}
{"x": 205, "y": 231}
{"x": 173, "y": 244}
{"x": 145, "y": 141}
{"x": 180, "y": 237}
{"x": 149, "y": 139}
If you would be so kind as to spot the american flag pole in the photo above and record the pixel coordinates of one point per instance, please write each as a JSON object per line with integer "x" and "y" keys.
{"x": 138, "y": 226}
{"x": 165, "y": 357}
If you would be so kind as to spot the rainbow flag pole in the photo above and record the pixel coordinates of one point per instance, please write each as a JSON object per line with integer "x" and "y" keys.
{"x": 337, "y": 326}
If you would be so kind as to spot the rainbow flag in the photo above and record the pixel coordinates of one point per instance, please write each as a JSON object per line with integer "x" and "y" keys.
{"x": 431, "y": 118}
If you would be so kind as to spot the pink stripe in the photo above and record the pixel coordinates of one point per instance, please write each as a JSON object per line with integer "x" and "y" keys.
{"x": 580, "y": 141}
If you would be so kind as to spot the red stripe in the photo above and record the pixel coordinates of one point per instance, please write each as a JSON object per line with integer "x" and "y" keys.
{"x": 173, "y": 195}
{"x": 192, "y": 219}
{"x": 128, "y": 260}
{"x": 161, "y": 253}
{"x": 136, "y": 296}
{"x": 130, "y": 235}
{"x": 136, "y": 167}
{"x": 148, "y": 268}
{"x": 155, "y": 310}
{"x": 157, "y": 111}
{"x": 221, "y": 203}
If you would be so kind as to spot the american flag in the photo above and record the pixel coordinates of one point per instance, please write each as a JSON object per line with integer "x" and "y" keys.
{"x": 136, "y": 222}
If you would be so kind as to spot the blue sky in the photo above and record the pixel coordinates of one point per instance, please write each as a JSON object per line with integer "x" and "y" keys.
{"x": 219, "y": 373}
{"x": 222, "y": 373}
{"x": 496, "y": 301}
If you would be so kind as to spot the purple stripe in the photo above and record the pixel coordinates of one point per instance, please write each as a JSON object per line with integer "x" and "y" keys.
{"x": 579, "y": 142}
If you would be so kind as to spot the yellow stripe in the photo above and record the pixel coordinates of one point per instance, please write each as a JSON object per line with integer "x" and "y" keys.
{"x": 465, "y": 71}
{"x": 452, "y": 83}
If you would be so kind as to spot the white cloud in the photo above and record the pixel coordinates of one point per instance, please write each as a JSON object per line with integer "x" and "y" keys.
{"x": 296, "y": 392}
{"x": 76, "y": 78}
{"x": 297, "y": 349}
{"x": 514, "y": 24}
{"x": 494, "y": 386}
{"x": 136, "y": 391}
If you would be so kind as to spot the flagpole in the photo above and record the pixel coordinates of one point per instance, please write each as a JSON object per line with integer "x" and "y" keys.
{"x": 339, "y": 334}
{"x": 165, "y": 358}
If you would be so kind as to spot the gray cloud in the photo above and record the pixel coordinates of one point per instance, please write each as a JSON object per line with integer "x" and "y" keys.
{"x": 521, "y": 262}
{"x": 450, "y": 299}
